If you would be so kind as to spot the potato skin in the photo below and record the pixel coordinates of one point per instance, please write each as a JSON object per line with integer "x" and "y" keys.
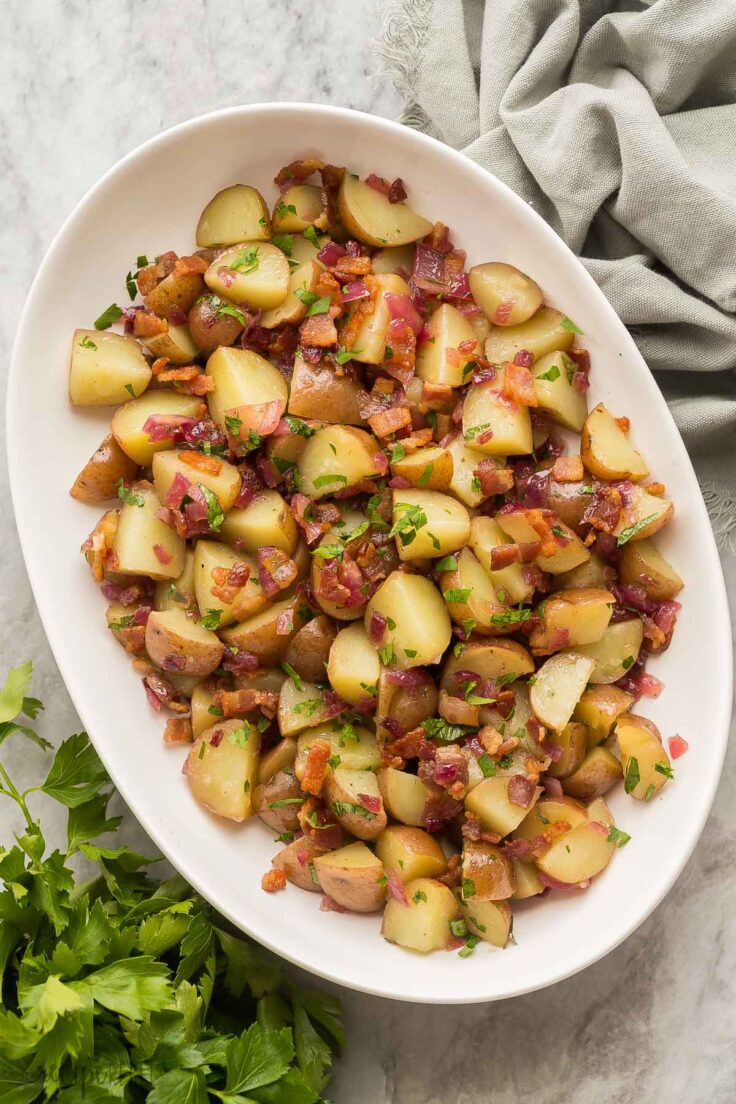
{"x": 209, "y": 329}
{"x": 98, "y": 479}
{"x": 171, "y": 635}
{"x": 317, "y": 393}
{"x": 352, "y": 876}
{"x": 297, "y": 862}
{"x": 282, "y": 786}
{"x": 309, "y": 650}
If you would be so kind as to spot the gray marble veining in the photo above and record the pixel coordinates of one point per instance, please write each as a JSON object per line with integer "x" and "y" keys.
{"x": 82, "y": 83}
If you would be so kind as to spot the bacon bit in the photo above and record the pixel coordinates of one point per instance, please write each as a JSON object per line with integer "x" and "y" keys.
{"x": 397, "y": 191}
{"x": 229, "y": 581}
{"x": 493, "y": 480}
{"x": 418, "y": 439}
{"x": 178, "y": 731}
{"x": 504, "y": 554}
{"x": 190, "y": 266}
{"x": 457, "y": 710}
{"x": 395, "y": 888}
{"x": 503, "y": 312}
{"x": 553, "y": 786}
{"x": 378, "y": 184}
{"x": 297, "y": 172}
{"x": 568, "y": 469}
{"x": 347, "y": 266}
{"x": 472, "y": 829}
{"x": 273, "y": 881}
{"x": 604, "y": 511}
{"x": 521, "y": 790}
{"x": 623, "y": 424}
{"x": 402, "y": 341}
{"x": 540, "y": 523}
{"x": 518, "y": 385}
{"x": 133, "y": 638}
{"x": 453, "y": 875}
{"x": 276, "y": 570}
{"x": 148, "y": 324}
{"x": 175, "y": 375}
{"x": 360, "y": 311}
{"x": 655, "y": 488}
{"x": 599, "y": 827}
{"x": 491, "y": 740}
{"x": 390, "y": 421}
{"x": 147, "y": 279}
{"x": 162, "y": 554}
{"x": 158, "y": 365}
{"x": 208, "y": 464}
{"x": 315, "y": 767}
{"x": 435, "y": 396}
{"x": 678, "y": 746}
{"x": 236, "y": 703}
{"x": 319, "y": 331}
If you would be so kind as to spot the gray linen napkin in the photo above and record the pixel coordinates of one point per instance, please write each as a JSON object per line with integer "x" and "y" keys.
{"x": 617, "y": 122}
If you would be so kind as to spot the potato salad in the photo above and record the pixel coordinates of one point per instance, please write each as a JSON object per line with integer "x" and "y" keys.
{"x": 390, "y": 579}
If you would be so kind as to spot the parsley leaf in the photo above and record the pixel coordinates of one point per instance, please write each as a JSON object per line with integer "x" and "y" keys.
{"x": 130, "y": 498}
{"x": 211, "y": 619}
{"x": 108, "y": 316}
{"x": 569, "y": 325}
{"x": 215, "y": 516}
{"x": 437, "y": 729}
{"x": 284, "y": 242}
{"x": 632, "y": 778}
{"x": 615, "y": 835}
{"x": 296, "y": 425}
{"x": 626, "y": 534}
{"x": 457, "y": 594}
{"x": 246, "y": 261}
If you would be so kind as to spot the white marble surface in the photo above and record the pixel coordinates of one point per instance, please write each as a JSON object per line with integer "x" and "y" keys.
{"x": 82, "y": 83}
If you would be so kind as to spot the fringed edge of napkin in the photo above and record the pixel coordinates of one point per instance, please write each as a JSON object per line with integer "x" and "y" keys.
{"x": 405, "y": 25}
{"x": 722, "y": 513}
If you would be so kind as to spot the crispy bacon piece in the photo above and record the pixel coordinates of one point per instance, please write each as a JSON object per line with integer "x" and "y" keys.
{"x": 677, "y": 745}
{"x": 319, "y": 331}
{"x": 348, "y": 266}
{"x": 418, "y": 439}
{"x": 190, "y": 266}
{"x": 390, "y": 421}
{"x": 236, "y": 703}
{"x": 518, "y": 385}
{"x": 568, "y": 469}
{"x": 490, "y": 740}
{"x": 540, "y": 522}
{"x": 521, "y": 790}
{"x": 397, "y": 191}
{"x": 273, "y": 881}
{"x": 178, "y": 731}
{"x": 402, "y": 342}
{"x": 457, "y": 710}
{"x": 98, "y": 547}
{"x": 624, "y": 424}
{"x": 133, "y": 638}
{"x": 229, "y": 581}
{"x": 174, "y": 375}
{"x": 148, "y": 324}
{"x": 603, "y": 512}
{"x": 315, "y": 767}
{"x": 360, "y": 310}
{"x": 201, "y": 462}
{"x": 503, "y": 311}
{"x": 158, "y": 365}
{"x": 472, "y": 829}
{"x": 276, "y": 570}
{"x": 493, "y": 480}
{"x": 200, "y": 385}
{"x": 328, "y": 286}
{"x": 435, "y": 396}
{"x": 296, "y": 172}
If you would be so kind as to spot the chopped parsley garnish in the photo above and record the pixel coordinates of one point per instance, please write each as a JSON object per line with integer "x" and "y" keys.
{"x": 486, "y": 764}
{"x": 246, "y": 261}
{"x": 296, "y": 425}
{"x": 312, "y": 236}
{"x": 284, "y": 801}
{"x": 665, "y": 769}
{"x": 628, "y": 662}
{"x": 470, "y": 944}
{"x": 650, "y": 793}
{"x": 406, "y": 527}
{"x": 511, "y": 617}
{"x": 420, "y": 895}
{"x": 371, "y": 690}
{"x": 222, "y": 308}
{"x": 130, "y": 498}
{"x": 457, "y": 594}
{"x": 387, "y": 654}
{"x": 325, "y": 480}
{"x": 347, "y": 732}
{"x": 475, "y": 485}
{"x": 233, "y": 424}
{"x": 426, "y": 475}
{"x": 215, "y": 516}
{"x": 345, "y": 808}
{"x": 569, "y": 325}
{"x": 388, "y": 353}
{"x": 284, "y": 242}
{"x": 122, "y": 623}
{"x": 129, "y": 389}
{"x": 447, "y": 563}
{"x": 295, "y": 678}
{"x": 391, "y": 623}
{"x": 632, "y": 779}
{"x": 615, "y": 835}
{"x": 108, "y": 316}
{"x": 334, "y": 762}
{"x": 87, "y": 343}
{"x": 342, "y": 356}
{"x": 468, "y": 888}
{"x": 435, "y": 728}
{"x": 353, "y": 534}
{"x": 241, "y": 736}
{"x": 308, "y": 707}
{"x": 283, "y": 209}
{"x": 410, "y": 653}
{"x": 626, "y": 534}
{"x": 214, "y": 710}
{"x": 398, "y": 452}
{"x": 473, "y": 432}
{"x": 458, "y": 928}
{"x": 551, "y": 374}
{"x": 211, "y": 619}
{"x": 328, "y": 552}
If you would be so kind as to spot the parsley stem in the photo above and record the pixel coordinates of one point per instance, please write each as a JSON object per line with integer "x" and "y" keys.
{"x": 17, "y": 797}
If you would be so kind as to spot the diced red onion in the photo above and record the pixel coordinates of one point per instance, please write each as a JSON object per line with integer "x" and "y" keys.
{"x": 329, "y": 904}
{"x": 330, "y": 254}
{"x": 357, "y": 289}
{"x": 153, "y": 699}
{"x": 401, "y": 307}
{"x": 370, "y": 802}
{"x": 397, "y": 191}
{"x": 395, "y": 887}
{"x": 376, "y": 627}
{"x": 415, "y": 676}
{"x": 665, "y": 615}
{"x": 399, "y": 482}
{"x": 167, "y": 427}
{"x": 353, "y": 248}
{"x": 162, "y": 554}
{"x": 552, "y": 883}
{"x": 238, "y": 661}
{"x": 552, "y": 786}
{"x": 175, "y": 315}
{"x": 521, "y": 790}
{"x": 378, "y": 184}
{"x": 677, "y": 745}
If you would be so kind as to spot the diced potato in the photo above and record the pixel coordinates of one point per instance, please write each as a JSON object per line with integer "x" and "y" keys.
{"x": 439, "y": 359}
{"x": 486, "y": 872}
{"x": 599, "y": 708}
{"x": 422, "y": 624}
{"x": 646, "y": 765}
{"x": 558, "y": 687}
{"x": 223, "y": 483}
{"x": 106, "y": 368}
{"x": 140, "y": 535}
{"x": 430, "y": 524}
{"x": 569, "y": 501}
{"x": 99, "y": 478}
{"x": 172, "y": 636}
{"x": 277, "y": 758}
{"x": 304, "y": 249}
{"x": 265, "y": 521}
{"x": 203, "y": 704}
{"x": 336, "y": 457}
{"x": 129, "y": 419}
{"x": 490, "y": 802}
{"x": 369, "y": 344}
{"x": 410, "y": 853}
{"x": 210, "y": 555}
{"x": 577, "y": 856}
{"x": 527, "y": 881}
{"x": 331, "y": 541}
{"x": 570, "y": 553}
{"x": 571, "y": 617}
{"x": 573, "y": 740}
{"x": 241, "y": 378}
{"x": 368, "y": 216}
{"x": 301, "y": 706}
{"x": 598, "y": 771}
{"x": 221, "y": 769}
{"x": 309, "y": 650}
{"x": 404, "y": 796}
{"x": 508, "y": 582}
{"x": 293, "y": 309}
{"x": 175, "y": 343}
{"x": 316, "y": 392}
{"x": 178, "y": 289}
{"x": 263, "y": 678}
{"x": 353, "y": 877}
{"x": 119, "y": 618}
{"x": 297, "y": 862}
{"x": 353, "y": 666}
{"x": 297, "y": 208}
{"x": 409, "y": 706}
{"x": 267, "y": 634}
{"x": 506, "y": 296}
{"x": 464, "y": 483}
{"x": 177, "y": 593}
{"x": 213, "y": 322}
{"x": 493, "y": 659}
{"x": 345, "y": 791}
{"x": 644, "y": 565}
{"x": 354, "y": 746}
{"x": 553, "y": 376}
{"x": 616, "y": 651}
{"x": 470, "y": 596}
{"x": 644, "y": 516}
{"x": 238, "y": 213}
{"x": 424, "y": 923}
{"x": 252, "y": 272}
{"x": 590, "y": 573}
{"x": 278, "y": 800}
{"x": 607, "y": 451}
{"x": 598, "y": 810}
{"x": 396, "y": 258}
{"x": 490, "y": 921}
{"x": 427, "y": 467}
{"x": 548, "y": 812}
{"x": 544, "y": 333}
{"x": 486, "y": 411}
